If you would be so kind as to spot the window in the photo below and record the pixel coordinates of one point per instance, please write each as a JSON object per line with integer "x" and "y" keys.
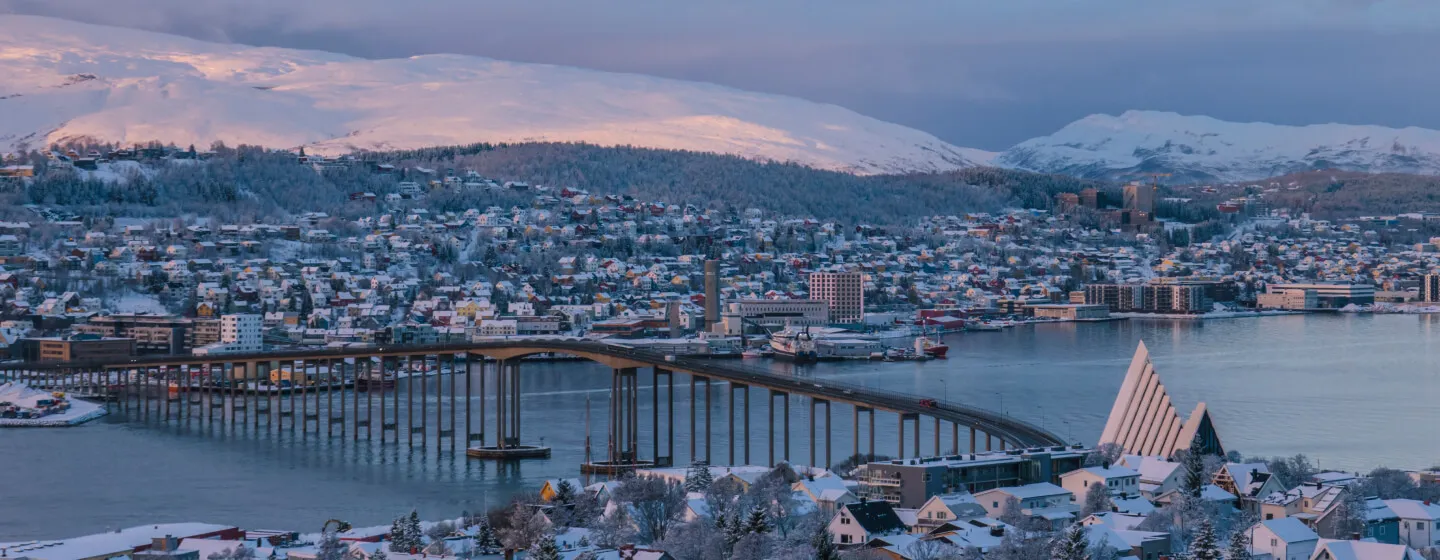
{"x": 1269, "y": 516}
{"x": 1420, "y": 525}
{"x": 1274, "y": 542}
{"x": 845, "y": 539}
{"x": 940, "y": 515}
{"x": 995, "y": 504}
{"x": 844, "y": 520}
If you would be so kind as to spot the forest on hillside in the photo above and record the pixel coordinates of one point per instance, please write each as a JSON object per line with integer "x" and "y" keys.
{"x": 249, "y": 182}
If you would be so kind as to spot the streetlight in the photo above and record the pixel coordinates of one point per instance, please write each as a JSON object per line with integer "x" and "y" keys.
{"x": 947, "y": 388}
{"x": 1002, "y": 402}
{"x": 1068, "y": 437}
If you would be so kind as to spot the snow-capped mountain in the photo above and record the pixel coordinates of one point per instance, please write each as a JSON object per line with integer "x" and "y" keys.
{"x": 1198, "y": 148}
{"x": 65, "y": 80}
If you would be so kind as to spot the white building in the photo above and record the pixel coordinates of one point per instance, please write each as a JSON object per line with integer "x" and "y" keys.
{"x": 1363, "y": 550}
{"x": 782, "y": 312}
{"x": 1118, "y": 481}
{"x": 1417, "y": 522}
{"x": 844, "y": 291}
{"x": 239, "y": 334}
{"x": 1283, "y": 539}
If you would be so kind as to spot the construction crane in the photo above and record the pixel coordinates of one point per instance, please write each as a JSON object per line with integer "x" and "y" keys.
{"x": 1155, "y": 178}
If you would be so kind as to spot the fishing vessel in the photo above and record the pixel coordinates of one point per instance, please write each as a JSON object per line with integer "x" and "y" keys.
{"x": 794, "y": 345}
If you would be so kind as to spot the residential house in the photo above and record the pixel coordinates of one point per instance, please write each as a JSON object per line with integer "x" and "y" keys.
{"x": 1329, "y": 549}
{"x": 1417, "y": 522}
{"x": 856, "y": 523}
{"x": 1041, "y": 500}
{"x": 1117, "y": 481}
{"x": 1283, "y": 539}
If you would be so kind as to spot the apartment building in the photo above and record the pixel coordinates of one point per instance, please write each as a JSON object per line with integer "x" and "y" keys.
{"x": 843, "y": 291}
{"x": 909, "y": 483}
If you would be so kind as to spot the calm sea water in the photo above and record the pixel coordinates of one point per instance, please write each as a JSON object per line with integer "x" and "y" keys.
{"x": 1351, "y": 391}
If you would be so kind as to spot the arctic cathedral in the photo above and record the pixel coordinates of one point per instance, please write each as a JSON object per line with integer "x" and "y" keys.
{"x": 1144, "y": 420}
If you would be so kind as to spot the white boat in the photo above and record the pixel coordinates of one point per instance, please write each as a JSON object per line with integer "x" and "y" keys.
{"x": 752, "y": 353}
{"x": 795, "y": 345}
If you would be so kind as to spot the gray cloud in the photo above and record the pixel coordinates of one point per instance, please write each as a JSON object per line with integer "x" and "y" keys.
{"x": 977, "y": 73}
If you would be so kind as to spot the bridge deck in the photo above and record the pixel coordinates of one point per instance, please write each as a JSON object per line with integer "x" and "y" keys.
{"x": 1002, "y": 426}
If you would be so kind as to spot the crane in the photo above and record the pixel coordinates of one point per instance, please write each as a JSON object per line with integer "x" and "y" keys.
{"x": 1155, "y": 178}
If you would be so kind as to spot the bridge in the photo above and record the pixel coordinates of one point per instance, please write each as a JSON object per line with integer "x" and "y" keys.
{"x": 299, "y": 389}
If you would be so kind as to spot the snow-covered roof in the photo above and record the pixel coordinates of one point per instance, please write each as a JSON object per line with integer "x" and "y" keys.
{"x": 1290, "y": 530}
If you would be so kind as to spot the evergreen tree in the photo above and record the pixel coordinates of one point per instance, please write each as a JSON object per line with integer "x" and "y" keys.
{"x": 486, "y": 541}
{"x": 757, "y": 522}
{"x": 413, "y": 534}
{"x": 824, "y": 544}
{"x": 1205, "y": 546}
{"x": 1194, "y": 464}
{"x": 546, "y": 549}
{"x": 1239, "y": 547}
{"x": 379, "y": 554}
{"x": 698, "y": 478}
{"x": 1071, "y": 544}
{"x": 330, "y": 547}
{"x": 564, "y": 493}
{"x": 398, "y": 542}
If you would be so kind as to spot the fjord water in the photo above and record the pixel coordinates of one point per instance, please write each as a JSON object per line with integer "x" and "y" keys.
{"x": 1351, "y": 391}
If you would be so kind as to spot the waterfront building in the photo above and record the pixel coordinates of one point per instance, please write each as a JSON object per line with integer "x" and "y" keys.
{"x": 909, "y": 483}
{"x": 80, "y": 347}
{"x": 1292, "y": 299}
{"x": 1430, "y": 288}
{"x": 783, "y": 312}
{"x": 156, "y": 334}
{"x": 1169, "y": 296}
{"x": 1144, "y": 421}
{"x": 239, "y": 334}
{"x": 1069, "y": 311}
{"x": 1331, "y": 296}
{"x": 844, "y": 291}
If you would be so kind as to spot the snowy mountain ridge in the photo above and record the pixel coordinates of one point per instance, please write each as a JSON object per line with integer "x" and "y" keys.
{"x": 1200, "y": 148}
{"x": 66, "y": 80}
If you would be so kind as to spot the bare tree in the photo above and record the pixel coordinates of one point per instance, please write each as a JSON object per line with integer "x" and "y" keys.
{"x": 657, "y": 504}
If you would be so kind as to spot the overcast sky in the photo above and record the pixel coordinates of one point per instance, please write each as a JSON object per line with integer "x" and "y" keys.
{"x": 978, "y": 73}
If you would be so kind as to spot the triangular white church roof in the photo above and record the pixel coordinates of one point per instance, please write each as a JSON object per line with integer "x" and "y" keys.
{"x": 1143, "y": 420}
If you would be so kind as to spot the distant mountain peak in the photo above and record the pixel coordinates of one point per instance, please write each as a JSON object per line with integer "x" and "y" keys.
{"x": 1202, "y": 148}
{"x": 125, "y": 85}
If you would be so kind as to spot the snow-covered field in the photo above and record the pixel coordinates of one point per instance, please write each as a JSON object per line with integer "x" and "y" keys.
{"x": 79, "y": 413}
{"x": 65, "y": 80}
{"x": 1196, "y": 147}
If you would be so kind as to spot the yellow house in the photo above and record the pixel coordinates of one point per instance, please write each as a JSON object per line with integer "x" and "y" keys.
{"x": 551, "y": 488}
{"x": 468, "y": 308}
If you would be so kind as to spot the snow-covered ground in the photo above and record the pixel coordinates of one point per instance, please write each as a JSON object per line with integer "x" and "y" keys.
{"x": 1196, "y": 147}
{"x": 67, "y": 80}
{"x": 18, "y": 394}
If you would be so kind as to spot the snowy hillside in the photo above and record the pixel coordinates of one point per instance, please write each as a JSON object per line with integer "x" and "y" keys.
{"x": 1198, "y": 148}
{"x": 66, "y": 80}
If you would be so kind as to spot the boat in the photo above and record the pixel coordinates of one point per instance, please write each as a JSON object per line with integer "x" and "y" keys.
{"x": 934, "y": 349}
{"x": 376, "y": 380}
{"x": 751, "y": 354}
{"x": 794, "y": 345}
